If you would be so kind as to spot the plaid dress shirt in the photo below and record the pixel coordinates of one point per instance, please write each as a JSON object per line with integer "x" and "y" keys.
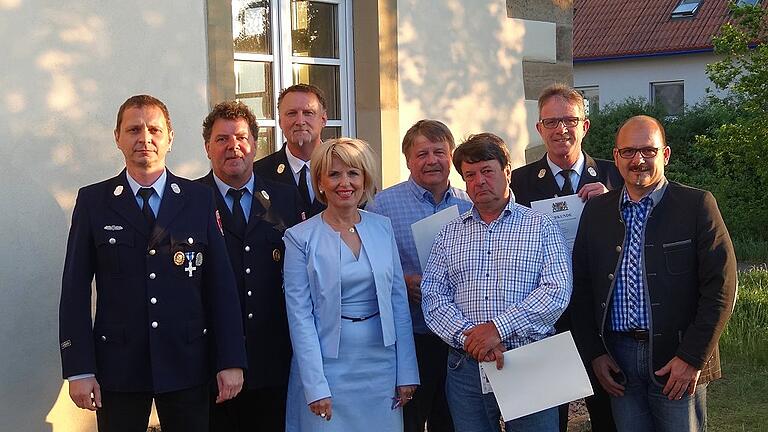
{"x": 515, "y": 272}
{"x": 404, "y": 204}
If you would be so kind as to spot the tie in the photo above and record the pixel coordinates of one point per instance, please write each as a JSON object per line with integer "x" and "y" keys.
{"x": 303, "y": 188}
{"x": 567, "y": 186}
{"x": 237, "y": 211}
{"x": 639, "y": 213}
{"x": 146, "y": 210}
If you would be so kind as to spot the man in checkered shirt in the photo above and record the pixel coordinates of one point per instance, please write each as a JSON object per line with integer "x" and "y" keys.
{"x": 498, "y": 278}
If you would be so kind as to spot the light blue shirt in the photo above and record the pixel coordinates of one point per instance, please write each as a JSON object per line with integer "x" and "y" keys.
{"x": 245, "y": 201}
{"x": 514, "y": 272}
{"x": 404, "y": 204}
{"x": 577, "y": 168}
{"x": 155, "y": 198}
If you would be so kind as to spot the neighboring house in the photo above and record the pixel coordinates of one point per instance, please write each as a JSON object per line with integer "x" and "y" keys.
{"x": 655, "y": 49}
{"x": 67, "y": 65}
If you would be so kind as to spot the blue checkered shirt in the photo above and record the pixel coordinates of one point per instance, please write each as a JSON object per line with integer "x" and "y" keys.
{"x": 629, "y": 310}
{"x": 404, "y": 204}
{"x": 515, "y": 272}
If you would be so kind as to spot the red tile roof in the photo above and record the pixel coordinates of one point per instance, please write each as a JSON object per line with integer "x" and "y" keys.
{"x": 605, "y": 29}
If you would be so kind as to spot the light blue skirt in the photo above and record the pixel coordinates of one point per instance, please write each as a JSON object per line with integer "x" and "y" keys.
{"x": 362, "y": 382}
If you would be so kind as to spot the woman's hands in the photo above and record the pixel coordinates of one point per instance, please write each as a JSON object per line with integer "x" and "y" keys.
{"x": 404, "y": 395}
{"x": 322, "y": 408}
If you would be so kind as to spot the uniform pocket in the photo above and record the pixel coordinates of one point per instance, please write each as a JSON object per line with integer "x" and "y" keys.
{"x": 188, "y": 253}
{"x": 113, "y": 249}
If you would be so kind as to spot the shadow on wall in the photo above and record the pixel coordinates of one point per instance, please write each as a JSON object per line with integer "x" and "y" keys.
{"x": 462, "y": 62}
{"x": 66, "y": 68}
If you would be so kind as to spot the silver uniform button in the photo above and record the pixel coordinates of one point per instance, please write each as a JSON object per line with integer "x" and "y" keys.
{"x": 610, "y": 276}
{"x": 618, "y": 248}
{"x": 250, "y": 316}
{"x": 104, "y": 338}
{"x": 154, "y": 324}
{"x": 152, "y": 252}
{"x": 152, "y": 276}
{"x": 248, "y": 271}
{"x": 205, "y": 331}
{"x": 191, "y": 240}
{"x": 247, "y": 248}
{"x": 153, "y": 300}
{"x": 249, "y": 293}
{"x": 112, "y": 240}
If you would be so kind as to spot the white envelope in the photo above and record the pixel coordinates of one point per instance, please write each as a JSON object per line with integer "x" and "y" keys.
{"x": 538, "y": 376}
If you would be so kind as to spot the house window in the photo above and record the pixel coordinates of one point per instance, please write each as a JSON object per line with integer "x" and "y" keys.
{"x": 591, "y": 99}
{"x": 670, "y": 95}
{"x": 747, "y": 2}
{"x": 686, "y": 8}
{"x": 278, "y": 43}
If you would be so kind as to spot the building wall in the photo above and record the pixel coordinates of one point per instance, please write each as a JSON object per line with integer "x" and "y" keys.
{"x": 67, "y": 66}
{"x": 620, "y": 79}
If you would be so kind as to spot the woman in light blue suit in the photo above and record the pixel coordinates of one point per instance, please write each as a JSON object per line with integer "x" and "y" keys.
{"x": 354, "y": 362}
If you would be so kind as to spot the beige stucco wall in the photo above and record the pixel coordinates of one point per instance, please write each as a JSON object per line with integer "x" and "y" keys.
{"x": 66, "y": 67}
{"x": 462, "y": 63}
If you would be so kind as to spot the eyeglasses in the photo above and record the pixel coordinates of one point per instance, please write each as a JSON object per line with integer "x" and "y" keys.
{"x": 646, "y": 152}
{"x": 551, "y": 123}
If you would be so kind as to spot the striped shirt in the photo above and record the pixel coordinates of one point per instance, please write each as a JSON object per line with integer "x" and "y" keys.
{"x": 404, "y": 204}
{"x": 514, "y": 272}
{"x": 629, "y": 310}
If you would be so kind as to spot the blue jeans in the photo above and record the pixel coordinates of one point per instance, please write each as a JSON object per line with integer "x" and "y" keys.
{"x": 473, "y": 411}
{"x": 644, "y": 408}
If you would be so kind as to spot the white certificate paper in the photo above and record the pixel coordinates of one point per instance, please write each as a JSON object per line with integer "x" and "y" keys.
{"x": 566, "y": 211}
{"x": 538, "y": 376}
{"x": 425, "y": 231}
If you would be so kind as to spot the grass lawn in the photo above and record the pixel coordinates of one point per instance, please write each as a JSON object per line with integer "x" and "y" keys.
{"x": 739, "y": 401}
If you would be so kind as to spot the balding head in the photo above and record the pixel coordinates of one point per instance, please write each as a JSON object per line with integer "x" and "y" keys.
{"x": 640, "y": 154}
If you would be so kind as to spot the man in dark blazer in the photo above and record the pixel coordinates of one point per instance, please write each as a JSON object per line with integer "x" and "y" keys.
{"x": 164, "y": 286}
{"x": 564, "y": 170}
{"x": 254, "y": 213}
{"x": 654, "y": 285}
{"x": 302, "y": 116}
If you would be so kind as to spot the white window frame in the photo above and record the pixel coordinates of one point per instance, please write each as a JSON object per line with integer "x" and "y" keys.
{"x": 583, "y": 88}
{"x": 283, "y": 60}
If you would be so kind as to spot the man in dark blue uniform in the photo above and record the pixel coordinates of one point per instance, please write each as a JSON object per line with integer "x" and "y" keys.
{"x": 254, "y": 213}
{"x": 164, "y": 288}
{"x": 302, "y": 116}
{"x": 566, "y": 169}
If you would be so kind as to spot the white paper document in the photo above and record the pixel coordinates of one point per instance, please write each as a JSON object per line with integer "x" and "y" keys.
{"x": 566, "y": 211}
{"x": 425, "y": 231}
{"x": 538, "y": 376}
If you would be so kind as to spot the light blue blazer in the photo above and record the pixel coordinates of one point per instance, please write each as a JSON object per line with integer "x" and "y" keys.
{"x": 313, "y": 297}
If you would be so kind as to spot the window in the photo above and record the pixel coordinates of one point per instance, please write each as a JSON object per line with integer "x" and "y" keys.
{"x": 591, "y": 99}
{"x": 670, "y": 95}
{"x": 686, "y": 8}
{"x": 747, "y": 2}
{"x": 278, "y": 43}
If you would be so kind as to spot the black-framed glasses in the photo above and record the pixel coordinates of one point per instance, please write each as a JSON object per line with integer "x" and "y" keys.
{"x": 646, "y": 152}
{"x": 551, "y": 123}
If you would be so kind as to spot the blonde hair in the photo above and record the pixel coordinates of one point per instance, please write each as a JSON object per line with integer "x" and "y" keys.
{"x": 353, "y": 152}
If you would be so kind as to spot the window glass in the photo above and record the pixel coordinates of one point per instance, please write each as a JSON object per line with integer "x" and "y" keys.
{"x": 686, "y": 8}
{"x": 330, "y": 132}
{"x": 265, "y": 143}
{"x": 313, "y": 29}
{"x": 670, "y": 95}
{"x": 253, "y": 84}
{"x": 326, "y": 78}
{"x": 591, "y": 99}
{"x": 251, "y": 26}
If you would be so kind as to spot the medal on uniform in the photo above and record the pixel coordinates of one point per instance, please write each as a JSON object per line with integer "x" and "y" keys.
{"x": 265, "y": 195}
{"x": 276, "y": 255}
{"x": 542, "y": 173}
{"x": 178, "y": 258}
{"x": 280, "y": 168}
{"x": 592, "y": 172}
{"x": 175, "y": 188}
{"x": 303, "y": 216}
{"x": 190, "y": 263}
{"x": 118, "y": 190}
{"x": 199, "y": 259}
{"x": 112, "y": 228}
{"x": 218, "y": 222}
